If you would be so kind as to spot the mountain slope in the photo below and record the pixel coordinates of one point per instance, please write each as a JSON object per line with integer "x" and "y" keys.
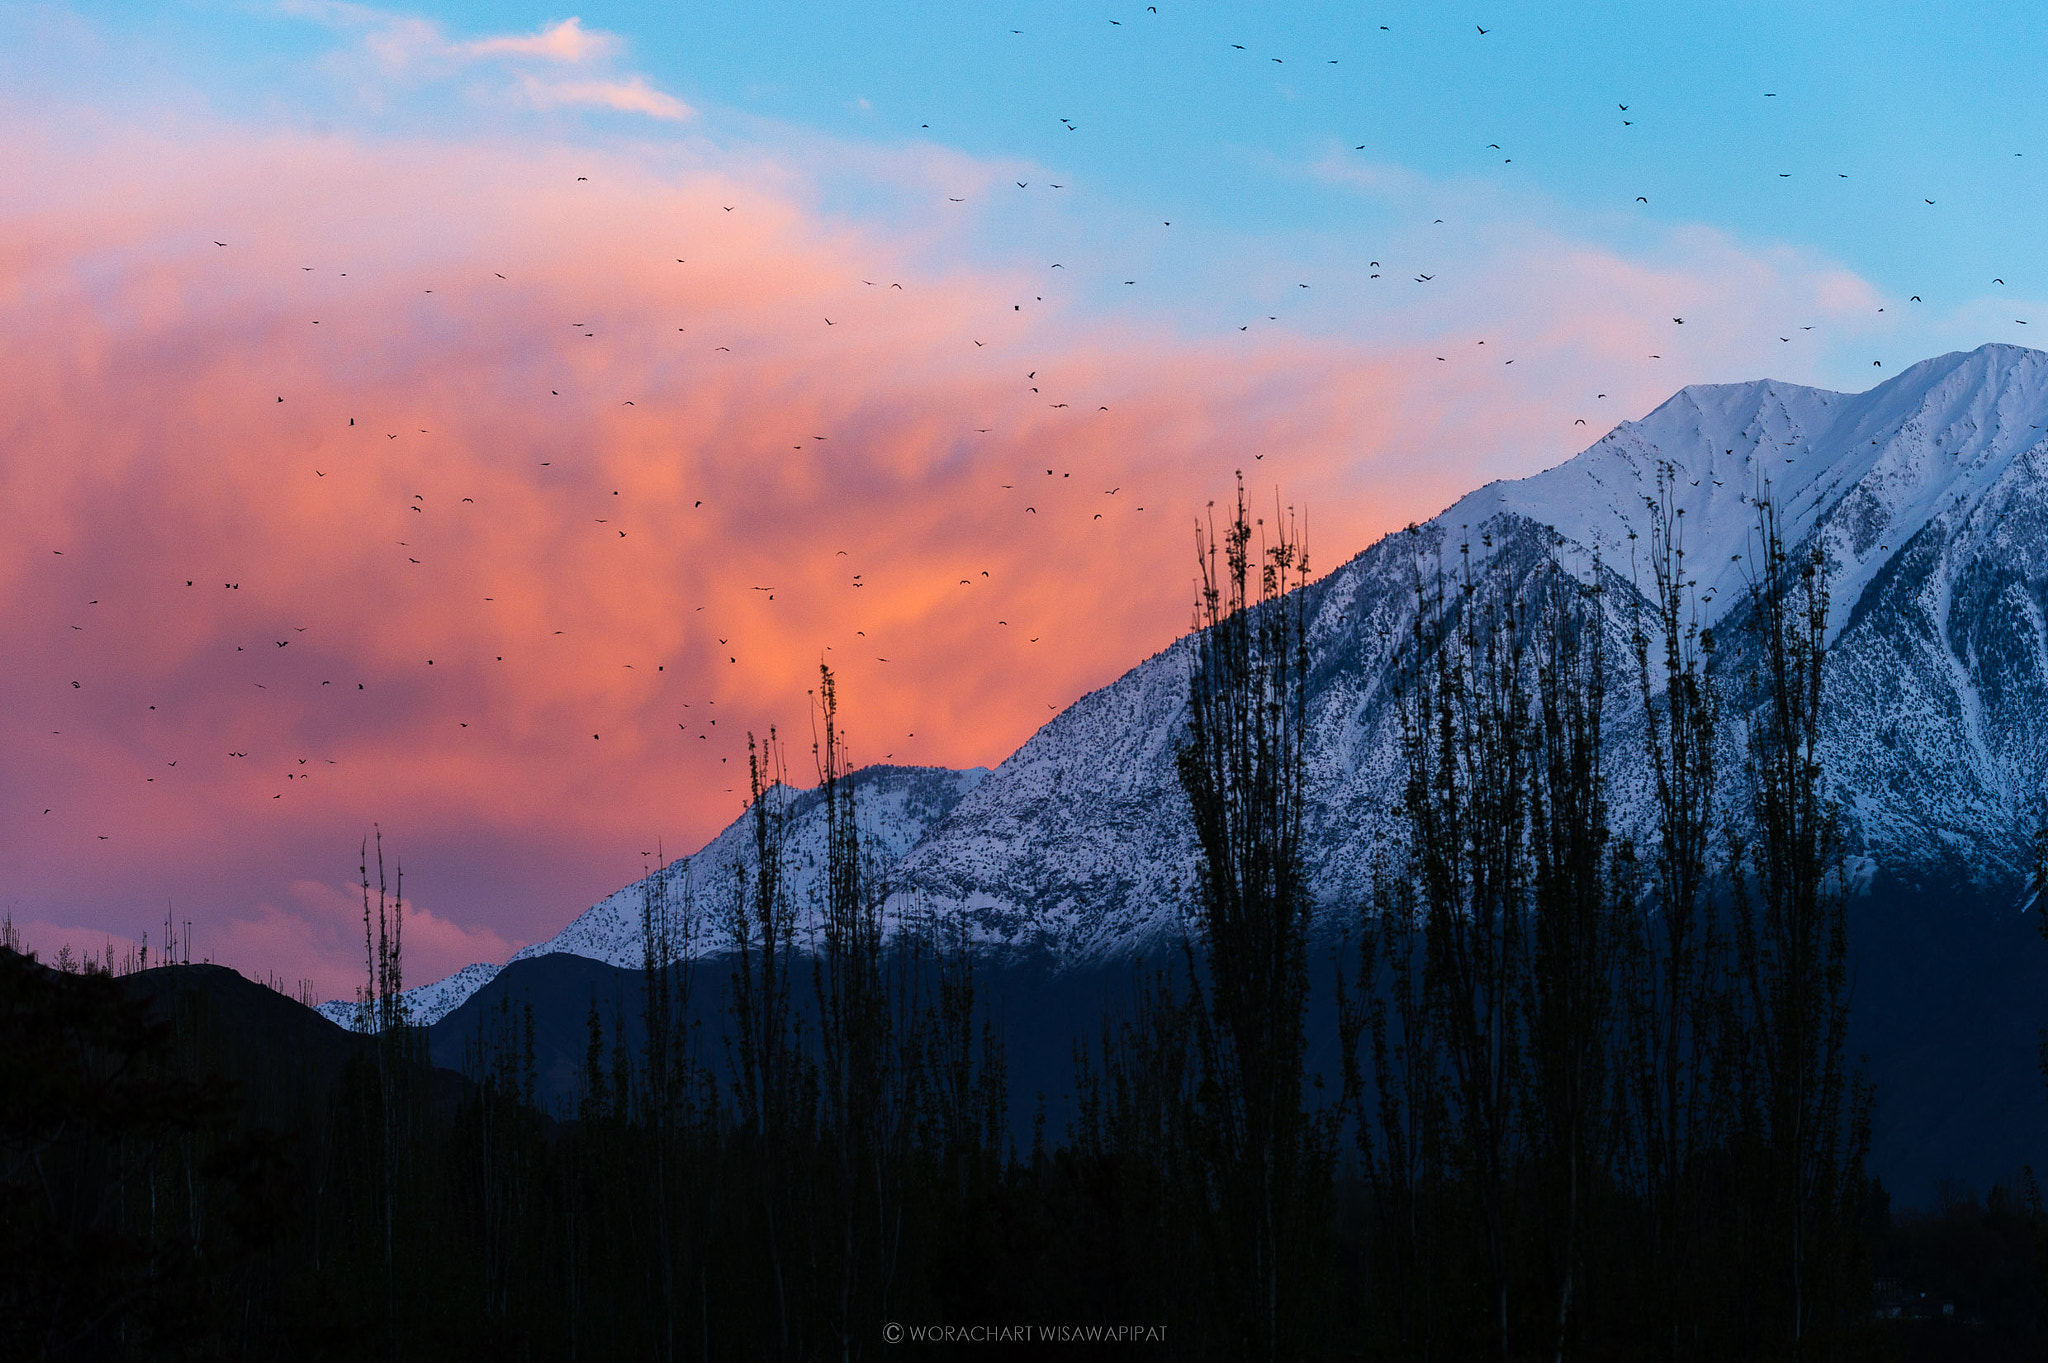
{"x": 1926, "y": 493}
{"x": 1928, "y": 496}
{"x": 897, "y": 806}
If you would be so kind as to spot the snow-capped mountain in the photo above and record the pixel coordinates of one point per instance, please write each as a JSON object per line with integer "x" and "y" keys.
{"x": 1928, "y": 494}
{"x": 897, "y": 807}
{"x": 429, "y": 1002}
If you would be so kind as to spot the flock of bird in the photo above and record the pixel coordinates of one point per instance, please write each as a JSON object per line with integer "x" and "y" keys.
{"x": 1039, "y": 492}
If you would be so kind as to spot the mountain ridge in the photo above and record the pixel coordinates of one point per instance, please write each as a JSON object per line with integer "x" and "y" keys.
{"x": 1925, "y": 493}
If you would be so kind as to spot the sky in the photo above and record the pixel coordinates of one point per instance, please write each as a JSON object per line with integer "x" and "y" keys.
{"x": 470, "y": 423}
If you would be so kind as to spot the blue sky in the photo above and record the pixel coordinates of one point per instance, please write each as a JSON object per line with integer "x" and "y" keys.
{"x": 1818, "y": 128}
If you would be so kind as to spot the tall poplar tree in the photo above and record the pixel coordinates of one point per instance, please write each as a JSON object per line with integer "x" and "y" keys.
{"x": 1803, "y": 1119}
{"x": 1241, "y": 766}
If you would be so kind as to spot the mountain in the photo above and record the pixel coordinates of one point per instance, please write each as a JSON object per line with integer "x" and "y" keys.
{"x": 428, "y": 1002}
{"x": 1926, "y": 493}
{"x": 1929, "y": 497}
{"x": 899, "y": 806}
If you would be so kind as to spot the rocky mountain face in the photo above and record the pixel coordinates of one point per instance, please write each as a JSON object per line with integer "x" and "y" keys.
{"x": 1926, "y": 494}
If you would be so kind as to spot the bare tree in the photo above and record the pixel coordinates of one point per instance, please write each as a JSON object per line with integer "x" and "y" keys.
{"x": 761, "y": 922}
{"x": 1674, "y": 956}
{"x": 1467, "y": 744}
{"x": 1574, "y": 922}
{"x": 1241, "y": 767}
{"x": 866, "y": 1091}
{"x": 1803, "y": 1117}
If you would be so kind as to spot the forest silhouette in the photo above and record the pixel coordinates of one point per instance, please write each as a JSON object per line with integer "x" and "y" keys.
{"x": 1594, "y": 1099}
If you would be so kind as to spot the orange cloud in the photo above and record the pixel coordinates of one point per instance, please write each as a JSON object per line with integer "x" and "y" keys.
{"x": 495, "y": 493}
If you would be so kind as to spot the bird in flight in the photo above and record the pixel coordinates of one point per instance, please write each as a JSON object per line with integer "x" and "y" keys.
{"x": 1482, "y": 32}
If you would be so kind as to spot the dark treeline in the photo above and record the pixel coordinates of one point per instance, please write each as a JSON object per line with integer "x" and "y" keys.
{"x": 1594, "y": 1101}
{"x": 1606, "y": 1110}
{"x": 1592, "y": 1098}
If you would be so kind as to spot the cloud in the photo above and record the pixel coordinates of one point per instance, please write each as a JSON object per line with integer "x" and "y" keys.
{"x": 567, "y": 41}
{"x": 493, "y": 491}
{"x": 308, "y": 937}
{"x": 633, "y": 96}
{"x": 410, "y": 46}
{"x": 318, "y": 929}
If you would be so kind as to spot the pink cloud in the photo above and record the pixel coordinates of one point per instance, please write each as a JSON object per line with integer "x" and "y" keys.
{"x": 567, "y": 41}
{"x": 319, "y": 929}
{"x": 465, "y": 486}
{"x": 634, "y": 96}
{"x": 404, "y": 46}
{"x": 313, "y": 930}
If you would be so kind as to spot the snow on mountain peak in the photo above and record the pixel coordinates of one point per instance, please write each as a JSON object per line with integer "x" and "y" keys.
{"x": 1878, "y": 465}
{"x": 1928, "y": 494}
